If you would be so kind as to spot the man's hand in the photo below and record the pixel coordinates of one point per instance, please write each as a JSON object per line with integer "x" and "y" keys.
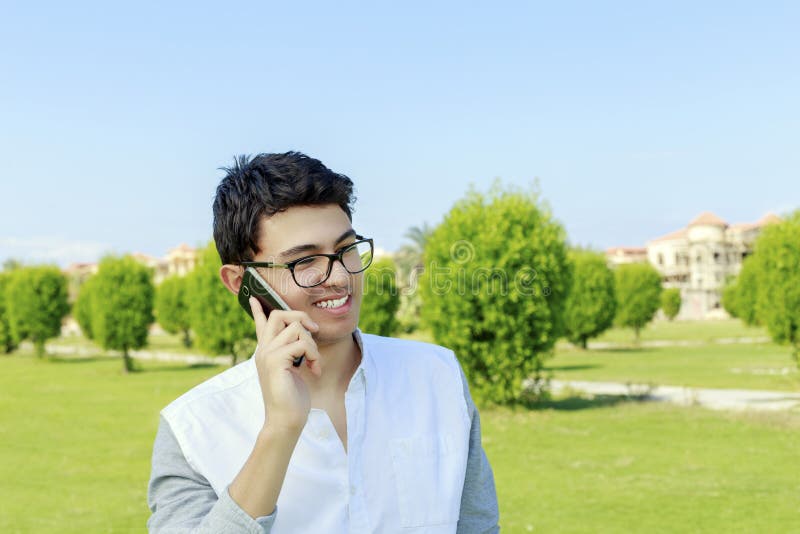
{"x": 283, "y": 337}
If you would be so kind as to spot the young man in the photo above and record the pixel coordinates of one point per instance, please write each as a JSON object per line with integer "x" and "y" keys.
{"x": 367, "y": 434}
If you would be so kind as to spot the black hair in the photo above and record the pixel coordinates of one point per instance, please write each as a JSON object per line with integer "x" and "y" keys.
{"x": 265, "y": 185}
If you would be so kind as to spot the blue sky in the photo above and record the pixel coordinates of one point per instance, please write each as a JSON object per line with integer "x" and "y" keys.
{"x": 634, "y": 116}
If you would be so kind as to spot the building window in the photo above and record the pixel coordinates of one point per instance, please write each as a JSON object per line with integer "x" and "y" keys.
{"x": 660, "y": 259}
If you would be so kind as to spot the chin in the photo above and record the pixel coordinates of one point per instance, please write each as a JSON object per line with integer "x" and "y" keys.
{"x": 334, "y": 328}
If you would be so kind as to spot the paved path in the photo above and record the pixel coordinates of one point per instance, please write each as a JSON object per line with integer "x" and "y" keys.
{"x": 161, "y": 356}
{"x": 599, "y": 345}
{"x": 716, "y": 399}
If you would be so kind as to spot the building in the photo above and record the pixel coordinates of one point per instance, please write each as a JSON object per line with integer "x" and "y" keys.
{"x": 77, "y": 274}
{"x": 699, "y": 258}
{"x": 157, "y": 265}
{"x": 622, "y": 255}
{"x": 181, "y": 260}
{"x": 178, "y": 261}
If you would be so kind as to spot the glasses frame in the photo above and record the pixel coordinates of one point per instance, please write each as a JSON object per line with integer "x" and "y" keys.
{"x": 331, "y": 258}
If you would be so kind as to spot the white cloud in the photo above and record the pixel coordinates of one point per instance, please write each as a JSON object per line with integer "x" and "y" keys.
{"x": 51, "y": 249}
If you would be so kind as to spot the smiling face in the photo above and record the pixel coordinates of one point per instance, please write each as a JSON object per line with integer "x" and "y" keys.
{"x": 301, "y": 231}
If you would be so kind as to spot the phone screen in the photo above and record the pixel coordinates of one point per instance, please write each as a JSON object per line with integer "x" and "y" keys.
{"x": 255, "y": 286}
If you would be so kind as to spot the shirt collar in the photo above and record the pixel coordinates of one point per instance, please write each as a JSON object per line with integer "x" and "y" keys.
{"x": 362, "y": 371}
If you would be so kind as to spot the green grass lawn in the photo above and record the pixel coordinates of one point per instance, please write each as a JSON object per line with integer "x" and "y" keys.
{"x": 704, "y": 364}
{"x": 745, "y": 366}
{"x": 77, "y": 437}
{"x": 679, "y": 331}
{"x": 685, "y": 331}
{"x": 584, "y": 467}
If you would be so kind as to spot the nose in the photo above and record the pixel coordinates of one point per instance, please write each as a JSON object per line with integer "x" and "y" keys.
{"x": 339, "y": 276}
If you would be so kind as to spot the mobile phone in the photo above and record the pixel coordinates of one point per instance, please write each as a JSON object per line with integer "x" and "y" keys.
{"x": 255, "y": 286}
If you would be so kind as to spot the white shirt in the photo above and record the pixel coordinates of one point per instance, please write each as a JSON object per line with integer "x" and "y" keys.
{"x": 408, "y": 442}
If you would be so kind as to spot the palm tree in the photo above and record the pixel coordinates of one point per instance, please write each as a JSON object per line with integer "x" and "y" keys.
{"x": 410, "y": 256}
{"x": 409, "y": 260}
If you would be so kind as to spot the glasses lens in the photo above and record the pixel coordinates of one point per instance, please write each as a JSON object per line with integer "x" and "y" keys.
{"x": 311, "y": 271}
{"x": 357, "y": 257}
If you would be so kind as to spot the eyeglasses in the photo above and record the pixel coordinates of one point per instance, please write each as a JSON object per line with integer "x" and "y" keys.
{"x": 310, "y": 271}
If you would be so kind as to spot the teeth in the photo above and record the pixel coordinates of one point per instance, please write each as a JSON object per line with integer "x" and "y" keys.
{"x": 331, "y": 303}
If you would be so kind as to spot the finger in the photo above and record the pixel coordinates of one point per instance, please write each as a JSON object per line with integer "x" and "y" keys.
{"x": 313, "y": 362}
{"x": 259, "y": 318}
{"x": 312, "y": 356}
{"x": 287, "y": 354}
{"x": 280, "y": 319}
{"x": 312, "y": 353}
{"x": 292, "y": 332}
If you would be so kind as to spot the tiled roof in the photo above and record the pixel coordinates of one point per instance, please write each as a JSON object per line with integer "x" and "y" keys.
{"x": 708, "y": 219}
{"x": 677, "y": 234}
{"x": 769, "y": 218}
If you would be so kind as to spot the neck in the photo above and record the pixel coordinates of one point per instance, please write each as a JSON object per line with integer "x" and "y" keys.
{"x": 338, "y": 360}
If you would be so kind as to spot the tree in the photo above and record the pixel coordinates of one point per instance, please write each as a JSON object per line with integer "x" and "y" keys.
{"x": 494, "y": 288}
{"x": 671, "y": 302}
{"x": 12, "y": 264}
{"x": 418, "y": 235}
{"x": 777, "y": 275}
{"x": 122, "y": 305}
{"x": 730, "y": 295}
{"x": 381, "y": 299}
{"x": 36, "y": 299}
{"x": 638, "y": 295}
{"x": 740, "y": 296}
{"x": 591, "y": 304}
{"x": 220, "y": 325}
{"x": 172, "y": 309}
{"x": 8, "y": 341}
{"x": 409, "y": 261}
{"x": 82, "y": 309}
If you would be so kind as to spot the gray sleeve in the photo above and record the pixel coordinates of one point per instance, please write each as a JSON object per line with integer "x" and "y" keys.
{"x": 479, "y": 511}
{"x": 182, "y": 501}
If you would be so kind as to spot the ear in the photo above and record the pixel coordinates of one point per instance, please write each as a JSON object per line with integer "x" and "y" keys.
{"x": 231, "y": 276}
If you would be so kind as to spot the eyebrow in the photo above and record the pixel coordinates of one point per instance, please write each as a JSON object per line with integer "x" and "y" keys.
{"x": 304, "y": 248}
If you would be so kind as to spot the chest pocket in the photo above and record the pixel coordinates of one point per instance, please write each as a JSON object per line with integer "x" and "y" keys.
{"x": 429, "y": 472}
